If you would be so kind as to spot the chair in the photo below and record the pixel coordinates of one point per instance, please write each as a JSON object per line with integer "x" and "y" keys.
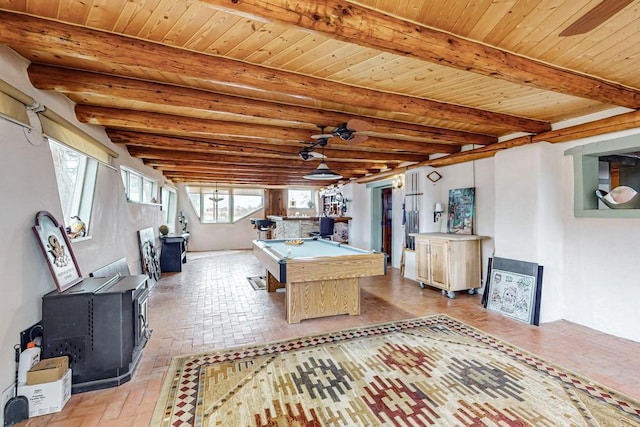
{"x": 326, "y": 227}
{"x": 263, "y": 226}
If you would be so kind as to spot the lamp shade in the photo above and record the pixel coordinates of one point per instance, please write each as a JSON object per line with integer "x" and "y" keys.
{"x": 322, "y": 172}
{"x": 438, "y": 207}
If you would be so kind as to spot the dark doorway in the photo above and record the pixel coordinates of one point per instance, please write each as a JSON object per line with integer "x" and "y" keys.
{"x": 387, "y": 216}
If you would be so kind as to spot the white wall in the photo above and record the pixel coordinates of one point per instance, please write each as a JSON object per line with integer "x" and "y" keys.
{"x": 30, "y": 186}
{"x": 601, "y": 275}
{"x": 524, "y": 203}
{"x": 591, "y": 273}
{"x": 528, "y": 225}
{"x": 359, "y": 209}
{"x": 478, "y": 174}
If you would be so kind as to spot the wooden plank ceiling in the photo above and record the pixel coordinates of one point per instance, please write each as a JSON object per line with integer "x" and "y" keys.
{"x": 227, "y": 91}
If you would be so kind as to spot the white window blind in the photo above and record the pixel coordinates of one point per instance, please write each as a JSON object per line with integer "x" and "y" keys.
{"x": 60, "y": 130}
{"x": 12, "y": 107}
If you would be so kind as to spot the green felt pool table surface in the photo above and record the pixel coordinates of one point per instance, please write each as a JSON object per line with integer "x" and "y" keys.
{"x": 311, "y": 248}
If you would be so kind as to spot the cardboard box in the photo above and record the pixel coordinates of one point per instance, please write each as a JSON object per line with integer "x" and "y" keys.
{"x": 48, "y": 397}
{"x": 48, "y": 370}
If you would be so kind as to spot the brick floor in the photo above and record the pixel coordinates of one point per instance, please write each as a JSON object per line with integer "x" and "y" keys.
{"x": 210, "y": 305}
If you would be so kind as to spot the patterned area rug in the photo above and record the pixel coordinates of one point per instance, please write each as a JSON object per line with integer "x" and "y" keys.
{"x": 421, "y": 372}
{"x": 258, "y": 283}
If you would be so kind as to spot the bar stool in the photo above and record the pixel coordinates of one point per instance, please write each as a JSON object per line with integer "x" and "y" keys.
{"x": 263, "y": 226}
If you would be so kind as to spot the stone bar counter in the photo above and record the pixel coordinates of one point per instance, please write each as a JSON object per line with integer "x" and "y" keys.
{"x": 300, "y": 226}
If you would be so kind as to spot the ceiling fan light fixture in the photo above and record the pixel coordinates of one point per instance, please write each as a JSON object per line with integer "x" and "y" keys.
{"x": 322, "y": 172}
{"x": 304, "y": 155}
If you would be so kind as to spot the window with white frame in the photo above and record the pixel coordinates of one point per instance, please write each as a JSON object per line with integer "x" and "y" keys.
{"x": 225, "y": 205}
{"x": 138, "y": 187}
{"x": 76, "y": 175}
{"x": 300, "y": 198}
{"x": 246, "y": 201}
{"x": 169, "y": 203}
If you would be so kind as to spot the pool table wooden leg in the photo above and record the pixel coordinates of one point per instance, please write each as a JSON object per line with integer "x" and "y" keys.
{"x": 273, "y": 283}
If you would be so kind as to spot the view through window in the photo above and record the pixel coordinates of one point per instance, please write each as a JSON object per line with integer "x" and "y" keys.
{"x": 224, "y": 205}
{"x": 76, "y": 178}
{"x": 169, "y": 203}
{"x": 138, "y": 187}
{"x": 300, "y": 198}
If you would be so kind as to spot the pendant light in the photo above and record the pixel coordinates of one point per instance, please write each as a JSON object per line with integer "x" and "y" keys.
{"x": 216, "y": 197}
{"x": 322, "y": 172}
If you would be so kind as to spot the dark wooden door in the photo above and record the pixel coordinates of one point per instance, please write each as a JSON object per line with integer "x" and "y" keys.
{"x": 387, "y": 205}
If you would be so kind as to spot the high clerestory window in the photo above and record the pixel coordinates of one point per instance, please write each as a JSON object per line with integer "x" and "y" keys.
{"x": 137, "y": 187}
{"x": 169, "y": 202}
{"x": 76, "y": 178}
{"x": 76, "y": 155}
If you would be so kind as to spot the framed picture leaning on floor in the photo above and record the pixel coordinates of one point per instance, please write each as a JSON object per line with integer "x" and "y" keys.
{"x": 514, "y": 288}
{"x": 57, "y": 251}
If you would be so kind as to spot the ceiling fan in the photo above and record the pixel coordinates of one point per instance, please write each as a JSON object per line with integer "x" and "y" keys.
{"x": 307, "y": 153}
{"x": 322, "y": 172}
{"x": 346, "y": 131}
{"x": 595, "y": 17}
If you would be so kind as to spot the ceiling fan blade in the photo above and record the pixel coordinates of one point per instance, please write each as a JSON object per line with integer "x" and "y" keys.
{"x": 356, "y": 139}
{"x": 595, "y": 17}
{"x": 322, "y": 135}
{"x": 358, "y": 125}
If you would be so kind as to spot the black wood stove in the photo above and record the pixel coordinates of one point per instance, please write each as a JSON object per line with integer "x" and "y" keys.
{"x": 101, "y": 324}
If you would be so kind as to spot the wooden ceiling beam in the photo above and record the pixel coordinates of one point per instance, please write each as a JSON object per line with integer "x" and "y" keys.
{"x": 240, "y": 173}
{"x": 224, "y": 164}
{"x": 255, "y": 182}
{"x": 236, "y": 170}
{"x": 476, "y": 154}
{"x": 616, "y": 123}
{"x": 177, "y": 155}
{"x": 221, "y": 174}
{"x": 168, "y": 124}
{"x": 54, "y": 43}
{"x": 610, "y": 124}
{"x": 357, "y": 24}
{"x": 77, "y": 84}
{"x": 140, "y": 139}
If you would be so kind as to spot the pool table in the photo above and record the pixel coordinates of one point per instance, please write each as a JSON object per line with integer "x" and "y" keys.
{"x": 321, "y": 277}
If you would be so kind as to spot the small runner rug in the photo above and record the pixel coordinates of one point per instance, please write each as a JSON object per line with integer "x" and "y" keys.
{"x": 432, "y": 371}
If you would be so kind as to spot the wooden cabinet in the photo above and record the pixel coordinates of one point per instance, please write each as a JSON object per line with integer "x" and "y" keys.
{"x": 450, "y": 262}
